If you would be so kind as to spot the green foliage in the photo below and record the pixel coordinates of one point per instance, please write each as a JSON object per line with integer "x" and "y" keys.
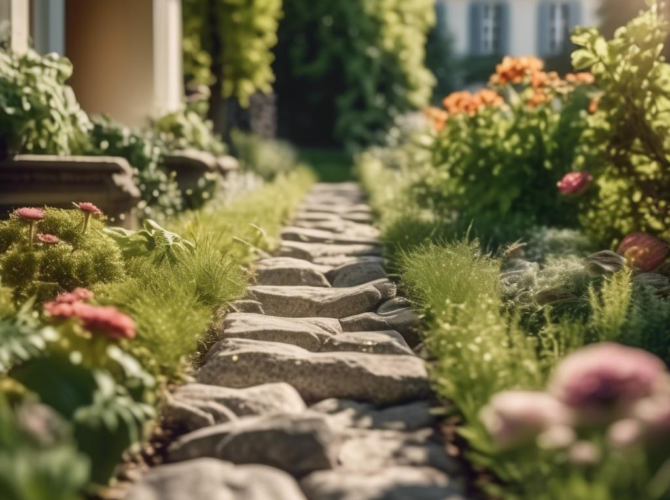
{"x": 186, "y": 129}
{"x": 627, "y": 144}
{"x": 22, "y": 338}
{"x": 351, "y": 67}
{"x": 106, "y": 418}
{"x": 234, "y": 37}
{"x": 265, "y": 157}
{"x": 79, "y": 260}
{"x": 160, "y": 195}
{"x": 39, "y": 111}
{"x": 38, "y": 458}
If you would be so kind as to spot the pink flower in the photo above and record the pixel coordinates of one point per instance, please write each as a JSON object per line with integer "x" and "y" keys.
{"x": 86, "y": 206}
{"x": 604, "y": 380}
{"x": 517, "y": 417}
{"x": 625, "y": 433}
{"x": 59, "y": 310}
{"x": 107, "y": 321}
{"x": 575, "y": 183}
{"x": 48, "y": 239}
{"x": 31, "y": 214}
{"x": 654, "y": 414}
{"x": 77, "y": 295}
{"x": 643, "y": 251}
{"x": 584, "y": 453}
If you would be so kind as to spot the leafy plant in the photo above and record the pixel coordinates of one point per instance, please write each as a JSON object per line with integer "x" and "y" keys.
{"x": 76, "y": 259}
{"x": 40, "y": 113}
{"x": 186, "y": 129}
{"x": 38, "y": 456}
{"x": 160, "y": 195}
{"x": 626, "y": 146}
{"x": 265, "y": 157}
{"x": 351, "y": 67}
{"x": 22, "y": 338}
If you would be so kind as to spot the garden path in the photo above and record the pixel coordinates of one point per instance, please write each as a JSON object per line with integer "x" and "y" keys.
{"x": 313, "y": 391}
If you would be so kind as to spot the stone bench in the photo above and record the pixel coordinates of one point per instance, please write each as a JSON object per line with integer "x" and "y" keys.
{"x": 57, "y": 181}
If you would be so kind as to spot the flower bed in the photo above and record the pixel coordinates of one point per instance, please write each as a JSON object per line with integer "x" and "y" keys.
{"x": 96, "y": 322}
{"x": 529, "y": 222}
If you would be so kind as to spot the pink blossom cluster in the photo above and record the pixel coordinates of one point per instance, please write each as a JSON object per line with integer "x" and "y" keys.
{"x": 33, "y": 215}
{"x": 622, "y": 390}
{"x": 107, "y": 321}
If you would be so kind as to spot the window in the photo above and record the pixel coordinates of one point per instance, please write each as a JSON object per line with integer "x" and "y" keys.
{"x": 559, "y": 27}
{"x": 490, "y": 34}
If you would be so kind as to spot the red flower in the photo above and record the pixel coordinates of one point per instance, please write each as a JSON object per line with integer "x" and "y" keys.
{"x": 59, "y": 310}
{"x": 30, "y": 213}
{"x": 105, "y": 320}
{"x": 48, "y": 239}
{"x": 89, "y": 207}
{"x": 575, "y": 183}
{"x": 643, "y": 251}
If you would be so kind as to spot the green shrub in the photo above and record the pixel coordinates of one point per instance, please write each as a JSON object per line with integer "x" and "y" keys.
{"x": 160, "y": 194}
{"x": 80, "y": 259}
{"x": 186, "y": 129}
{"x": 627, "y": 144}
{"x": 39, "y": 111}
{"x": 230, "y": 43}
{"x": 265, "y": 157}
{"x": 346, "y": 69}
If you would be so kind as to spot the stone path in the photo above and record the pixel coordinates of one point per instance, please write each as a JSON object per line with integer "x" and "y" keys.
{"x": 313, "y": 391}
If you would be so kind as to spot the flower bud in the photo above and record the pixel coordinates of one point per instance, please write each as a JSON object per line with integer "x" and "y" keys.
{"x": 643, "y": 251}
{"x": 575, "y": 183}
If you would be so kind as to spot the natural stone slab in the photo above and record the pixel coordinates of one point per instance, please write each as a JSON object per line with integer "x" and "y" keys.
{"x": 345, "y": 413}
{"x": 286, "y": 271}
{"x": 194, "y": 406}
{"x": 306, "y": 302}
{"x": 360, "y": 217}
{"x": 394, "y": 483}
{"x": 320, "y": 236}
{"x": 388, "y": 342}
{"x": 247, "y": 306}
{"x": 376, "y": 378}
{"x": 375, "y": 450}
{"x": 344, "y": 208}
{"x": 393, "y": 305}
{"x": 309, "y": 333}
{"x": 404, "y": 321}
{"x": 342, "y": 260}
{"x": 357, "y": 273}
{"x": 317, "y": 217}
{"x": 209, "y": 479}
{"x": 297, "y": 444}
{"x": 313, "y": 251}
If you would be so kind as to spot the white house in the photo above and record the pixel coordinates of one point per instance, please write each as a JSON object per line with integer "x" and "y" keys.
{"x": 126, "y": 53}
{"x": 513, "y": 27}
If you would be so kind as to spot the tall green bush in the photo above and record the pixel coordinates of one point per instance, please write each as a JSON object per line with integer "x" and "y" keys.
{"x": 345, "y": 69}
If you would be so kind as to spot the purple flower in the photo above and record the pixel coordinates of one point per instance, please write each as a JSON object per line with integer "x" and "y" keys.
{"x": 514, "y": 418}
{"x": 603, "y": 381}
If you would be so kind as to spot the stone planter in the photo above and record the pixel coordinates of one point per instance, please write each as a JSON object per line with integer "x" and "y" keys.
{"x": 195, "y": 170}
{"x": 57, "y": 181}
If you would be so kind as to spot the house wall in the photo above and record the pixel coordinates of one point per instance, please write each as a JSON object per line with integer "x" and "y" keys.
{"x": 15, "y": 23}
{"x": 524, "y": 17}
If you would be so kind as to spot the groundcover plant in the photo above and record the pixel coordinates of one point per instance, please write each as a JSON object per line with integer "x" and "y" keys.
{"x": 528, "y": 221}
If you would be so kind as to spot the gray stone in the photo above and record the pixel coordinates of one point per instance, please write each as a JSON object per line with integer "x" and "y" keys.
{"x": 313, "y": 251}
{"x": 393, "y": 483}
{"x": 339, "y": 209}
{"x": 376, "y": 378}
{"x": 308, "y": 333}
{"x": 320, "y": 236}
{"x": 342, "y": 260}
{"x": 345, "y": 413}
{"x": 285, "y": 271}
{"x": 247, "y": 306}
{"x": 308, "y": 302}
{"x": 297, "y": 444}
{"x": 375, "y": 450}
{"x": 359, "y": 217}
{"x": 340, "y": 226}
{"x": 393, "y": 305}
{"x": 357, "y": 273}
{"x": 388, "y": 342}
{"x": 404, "y": 321}
{"x": 194, "y": 406}
{"x": 209, "y": 479}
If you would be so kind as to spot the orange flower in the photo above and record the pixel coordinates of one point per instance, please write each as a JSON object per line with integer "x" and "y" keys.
{"x": 457, "y": 101}
{"x": 540, "y": 79}
{"x": 438, "y": 117}
{"x": 539, "y": 97}
{"x": 466, "y": 102}
{"x": 515, "y": 70}
{"x": 583, "y": 78}
{"x": 490, "y": 97}
{"x": 594, "y": 104}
